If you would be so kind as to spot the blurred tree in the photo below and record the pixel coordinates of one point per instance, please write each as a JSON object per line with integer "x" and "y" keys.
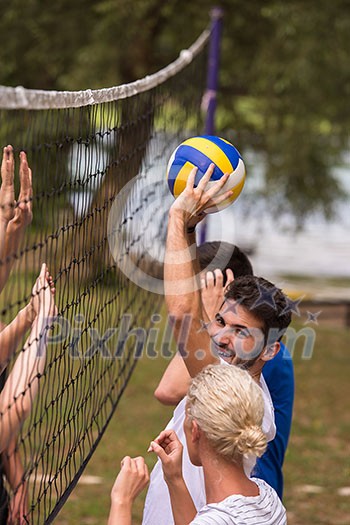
{"x": 284, "y": 77}
{"x": 39, "y": 40}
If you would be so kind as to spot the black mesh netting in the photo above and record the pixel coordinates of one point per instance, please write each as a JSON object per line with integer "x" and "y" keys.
{"x": 99, "y": 220}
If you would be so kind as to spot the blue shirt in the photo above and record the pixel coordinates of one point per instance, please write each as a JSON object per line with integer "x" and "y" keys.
{"x": 279, "y": 376}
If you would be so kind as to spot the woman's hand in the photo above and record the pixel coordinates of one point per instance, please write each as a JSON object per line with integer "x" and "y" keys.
{"x": 43, "y": 295}
{"x": 131, "y": 480}
{"x": 169, "y": 450}
{"x": 23, "y": 213}
{"x": 7, "y": 189}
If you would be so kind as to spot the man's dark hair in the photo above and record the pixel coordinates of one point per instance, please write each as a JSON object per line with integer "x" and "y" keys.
{"x": 263, "y": 300}
{"x": 223, "y": 255}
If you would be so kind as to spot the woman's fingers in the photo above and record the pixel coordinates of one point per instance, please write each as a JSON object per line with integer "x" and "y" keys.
{"x": 158, "y": 450}
{"x": 7, "y": 166}
{"x": 25, "y": 177}
{"x": 125, "y": 462}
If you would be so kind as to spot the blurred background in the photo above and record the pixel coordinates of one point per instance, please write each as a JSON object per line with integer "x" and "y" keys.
{"x": 284, "y": 85}
{"x": 283, "y": 101}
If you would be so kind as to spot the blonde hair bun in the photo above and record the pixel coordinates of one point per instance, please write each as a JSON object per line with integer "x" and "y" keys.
{"x": 252, "y": 441}
{"x": 229, "y": 408}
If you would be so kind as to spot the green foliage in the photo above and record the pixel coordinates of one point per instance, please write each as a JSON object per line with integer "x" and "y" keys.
{"x": 284, "y": 77}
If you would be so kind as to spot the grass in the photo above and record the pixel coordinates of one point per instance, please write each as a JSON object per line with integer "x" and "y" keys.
{"x": 319, "y": 451}
{"x": 318, "y": 454}
{"x": 138, "y": 418}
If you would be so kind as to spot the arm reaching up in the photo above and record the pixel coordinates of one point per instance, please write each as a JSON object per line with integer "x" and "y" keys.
{"x": 22, "y": 385}
{"x": 181, "y": 274}
{"x": 174, "y": 383}
{"x": 7, "y": 198}
{"x": 14, "y": 216}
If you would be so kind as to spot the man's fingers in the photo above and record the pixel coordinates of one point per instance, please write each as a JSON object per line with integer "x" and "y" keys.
{"x": 219, "y": 278}
{"x": 191, "y": 178}
{"x": 217, "y": 186}
{"x": 229, "y": 276}
{"x": 206, "y": 178}
{"x": 209, "y": 278}
{"x": 215, "y": 201}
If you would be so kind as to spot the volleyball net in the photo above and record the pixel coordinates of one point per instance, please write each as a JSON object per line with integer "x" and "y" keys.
{"x": 99, "y": 204}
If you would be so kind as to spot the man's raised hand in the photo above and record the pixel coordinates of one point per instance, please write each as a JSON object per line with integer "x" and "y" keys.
{"x": 193, "y": 201}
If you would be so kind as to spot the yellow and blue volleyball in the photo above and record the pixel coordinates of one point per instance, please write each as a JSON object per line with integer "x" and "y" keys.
{"x": 200, "y": 152}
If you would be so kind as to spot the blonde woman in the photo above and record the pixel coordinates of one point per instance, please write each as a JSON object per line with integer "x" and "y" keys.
{"x": 224, "y": 413}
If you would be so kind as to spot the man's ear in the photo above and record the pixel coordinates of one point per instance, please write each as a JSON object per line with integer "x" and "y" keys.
{"x": 270, "y": 351}
{"x": 195, "y": 431}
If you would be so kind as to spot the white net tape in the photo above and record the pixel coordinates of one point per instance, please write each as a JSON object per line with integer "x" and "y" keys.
{"x": 21, "y": 98}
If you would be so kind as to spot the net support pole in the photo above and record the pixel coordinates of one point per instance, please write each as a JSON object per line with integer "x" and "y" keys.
{"x": 209, "y": 99}
{"x": 216, "y": 15}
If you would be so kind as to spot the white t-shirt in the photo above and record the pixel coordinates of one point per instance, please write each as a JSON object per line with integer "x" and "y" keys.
{"x": 157, "y": 510}
{"x": 264, "y": 509}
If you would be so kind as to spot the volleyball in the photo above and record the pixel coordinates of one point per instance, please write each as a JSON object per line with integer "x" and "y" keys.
{"x": 200, "y": 152}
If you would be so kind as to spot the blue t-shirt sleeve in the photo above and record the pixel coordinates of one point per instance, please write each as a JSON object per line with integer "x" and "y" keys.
{"x": 279, "y": 377}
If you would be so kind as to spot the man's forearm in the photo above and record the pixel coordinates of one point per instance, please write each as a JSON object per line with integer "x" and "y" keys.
{"x": 180, "y": 279}
{"x": 182, "y": 292}
{"x": 174, "y": 383}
